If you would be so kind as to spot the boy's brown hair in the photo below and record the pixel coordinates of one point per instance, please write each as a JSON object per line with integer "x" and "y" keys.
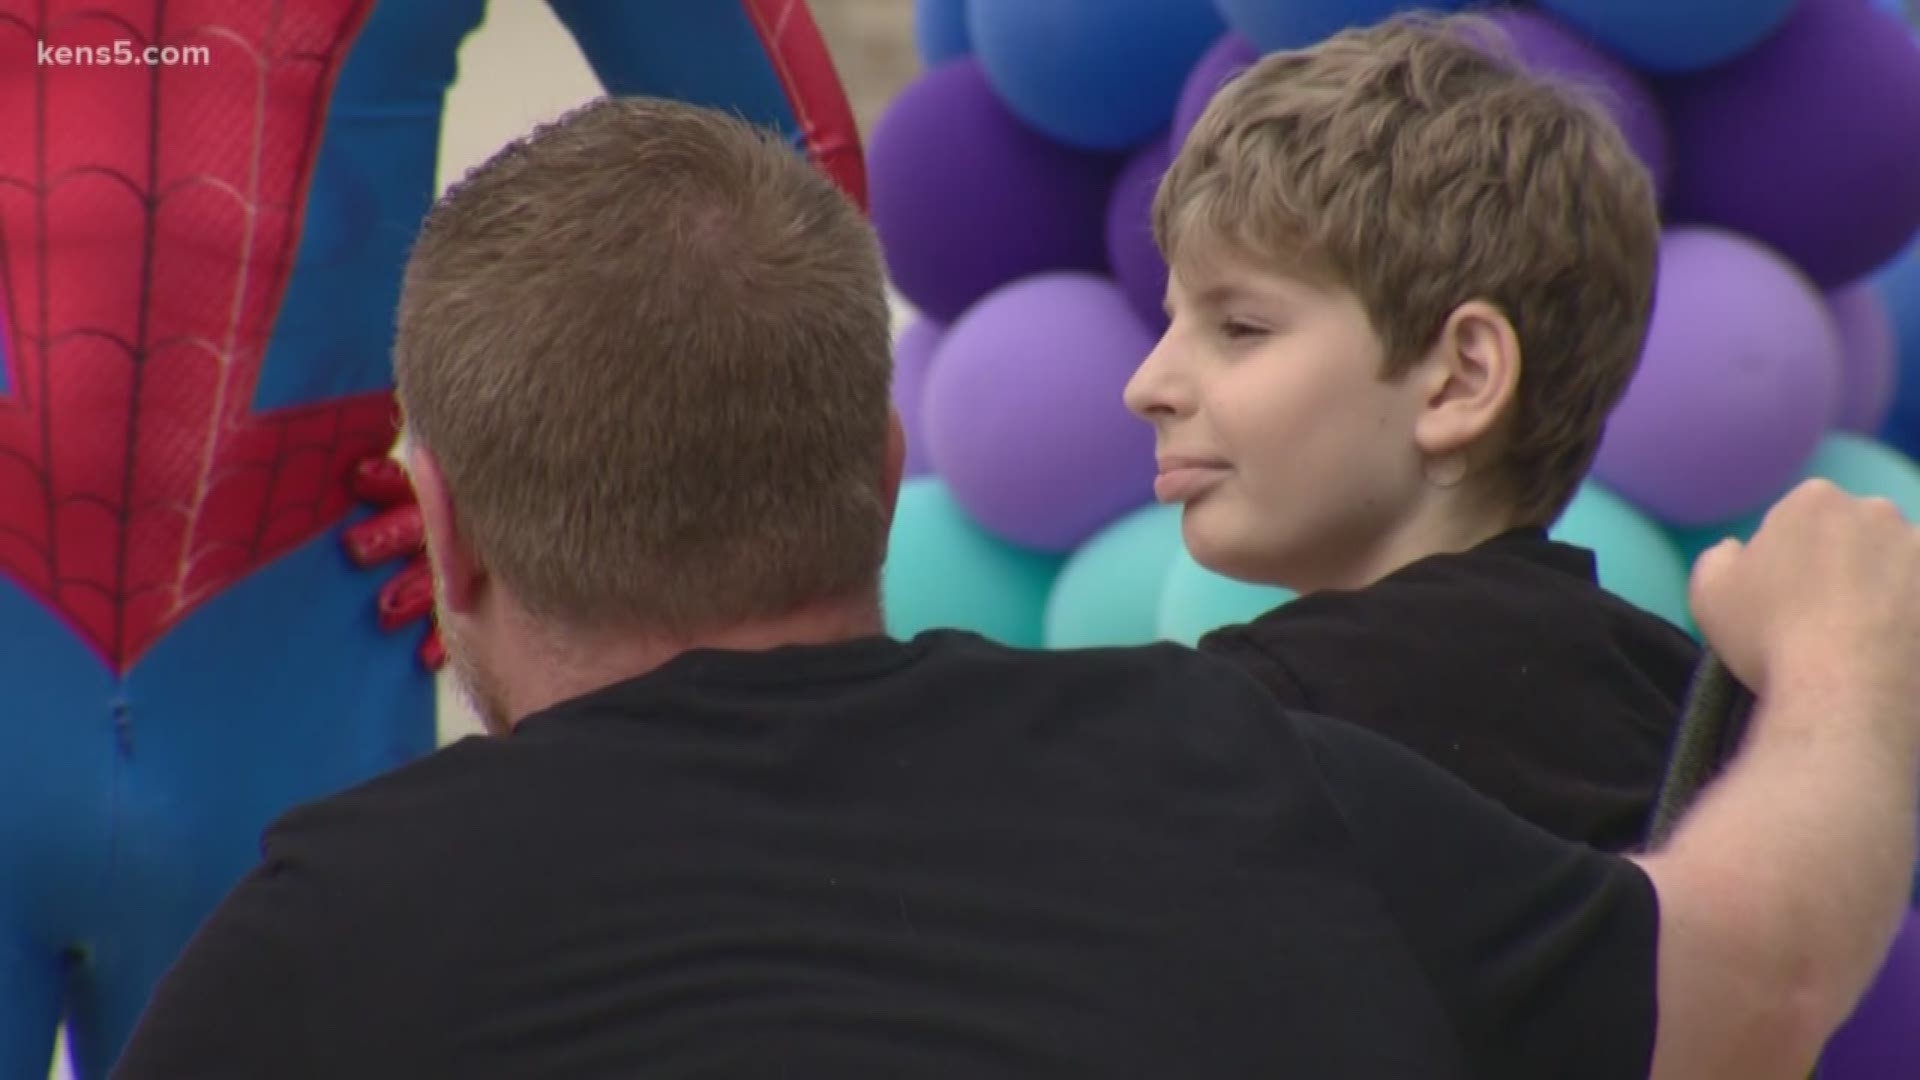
{"x": 1415, "y": 163}
{"x": 649, "y": 347}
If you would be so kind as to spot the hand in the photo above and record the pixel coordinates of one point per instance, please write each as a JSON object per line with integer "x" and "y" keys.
{"x": 1829, "y": 586}
{"x": 393, "y": 533}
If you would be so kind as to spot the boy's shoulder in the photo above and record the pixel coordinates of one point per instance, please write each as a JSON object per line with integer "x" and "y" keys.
{"x": 1508, "y": 665}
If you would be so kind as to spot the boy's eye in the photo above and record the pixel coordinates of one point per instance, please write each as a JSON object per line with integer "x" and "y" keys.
{"x": 1234, "y": 330}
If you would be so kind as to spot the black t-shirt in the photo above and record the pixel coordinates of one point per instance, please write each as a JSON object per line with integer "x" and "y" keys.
{"x": 1507, "y": 664}
{"x": 931, "y": 859}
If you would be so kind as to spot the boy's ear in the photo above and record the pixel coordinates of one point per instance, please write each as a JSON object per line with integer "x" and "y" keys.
{"x": 1469, "y": 379}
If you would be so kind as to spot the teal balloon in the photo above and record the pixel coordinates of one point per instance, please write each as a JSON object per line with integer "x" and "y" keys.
{"x": 1108, "y": 593}
{"x": 1869, "y": 469}
{"x": 1637, "y": 560}
{"x": 1693, "y": 541}
{"x": 1194, "y": 600}
{"x": 945, "y": 572}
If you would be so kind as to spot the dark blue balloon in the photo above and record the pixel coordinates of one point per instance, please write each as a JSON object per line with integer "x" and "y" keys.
{"x": 1672, "y": 36}
{"x": 967, "y": 198}
{"x": 1293, "y": 24}
{"x": 940, "y": 30}
{"x": 1131, "y": 251}
{"x": 1900, "y": 286}
{"x": 1096, "y": 74}
{"x": 1807, "y": 142}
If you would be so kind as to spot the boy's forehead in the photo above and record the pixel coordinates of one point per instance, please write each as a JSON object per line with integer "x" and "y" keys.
{"x": 1220, "y": 269}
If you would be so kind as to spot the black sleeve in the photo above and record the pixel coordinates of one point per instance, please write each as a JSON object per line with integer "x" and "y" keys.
{"x": 1541, "y": 950}
{"x": 236, "y": 1003}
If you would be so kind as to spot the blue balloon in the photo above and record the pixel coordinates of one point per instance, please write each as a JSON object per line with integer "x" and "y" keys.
{"x": 940, "y": 30}
{"x": 944, "y": 571}
{"x": 1294, "y": 24}
{"x": 1194, "y": 600}
{"x": 1899, "y": 286}
{"x": 1109, "y": 591}
{"x": 1093, "y": 74}
{"x": 1672, "y": 36}
{"x": 1637, "y": 560}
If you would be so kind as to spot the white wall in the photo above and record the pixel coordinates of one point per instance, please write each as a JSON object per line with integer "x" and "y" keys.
{"x": 518, "y": 69}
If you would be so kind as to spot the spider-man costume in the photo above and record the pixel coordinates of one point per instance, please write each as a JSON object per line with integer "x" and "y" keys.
{"x": 200, "y": 264}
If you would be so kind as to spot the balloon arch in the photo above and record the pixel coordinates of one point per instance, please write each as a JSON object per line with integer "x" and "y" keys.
{"x": 1010, "y": 186}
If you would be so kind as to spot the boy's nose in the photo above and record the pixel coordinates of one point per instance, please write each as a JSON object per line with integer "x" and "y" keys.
{"x": 1154, "y": 391}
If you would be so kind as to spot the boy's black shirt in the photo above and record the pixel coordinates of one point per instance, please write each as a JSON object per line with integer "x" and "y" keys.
{"x": 934, "y": 859}
{"x": 1507, "y": 664}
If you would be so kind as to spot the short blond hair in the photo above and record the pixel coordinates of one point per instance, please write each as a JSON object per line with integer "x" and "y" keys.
{"x": 649, "y": 347}
{"x": 1417, "y": 164}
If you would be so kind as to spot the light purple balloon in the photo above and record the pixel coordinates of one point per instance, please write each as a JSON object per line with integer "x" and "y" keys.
{"x": 1227, "y": 57}
{"x": 1025, "y": 416}
{"x": 966, "y": 198}
{"x": 912, "y": 358}
{"x": 1735, "y": 388}
{"x": 1131, "y": 251}
{"x": 1867, "y": 363}
{"x": 1548, "y": 48}
{"x": 1809, "y": 142}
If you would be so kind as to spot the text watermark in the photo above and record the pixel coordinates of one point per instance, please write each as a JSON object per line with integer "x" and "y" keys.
{"x": 123, "y": 53}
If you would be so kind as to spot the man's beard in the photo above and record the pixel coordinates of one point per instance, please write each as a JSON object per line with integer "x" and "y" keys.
{"x": 476, "y": 683}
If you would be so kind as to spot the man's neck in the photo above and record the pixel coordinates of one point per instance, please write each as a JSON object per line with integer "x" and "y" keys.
{"x": 573, "y": 666}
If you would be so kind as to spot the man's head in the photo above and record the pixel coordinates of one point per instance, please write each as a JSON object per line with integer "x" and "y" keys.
{"x": 643, "y": 357}
{"x": 1409, "y": 282}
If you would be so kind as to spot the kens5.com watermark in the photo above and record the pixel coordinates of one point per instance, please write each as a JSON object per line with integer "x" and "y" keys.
{"x": 122, "y": 53}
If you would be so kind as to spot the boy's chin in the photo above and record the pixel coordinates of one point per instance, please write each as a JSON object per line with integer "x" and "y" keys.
{"x": 1240, "y": 554}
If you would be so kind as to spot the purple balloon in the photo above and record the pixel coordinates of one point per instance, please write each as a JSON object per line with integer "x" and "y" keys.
{"x": 912, "y": 358}
{"x": 1809, "y": 142}
{"x": 1879, "y": 1040}
{"x": 1735, "y": 387}
{"x": 1227, "y": 57}
{"x": 1866, "y": 358}
{"x": 1025, "y": 416}
{"x": 1131, "y": 251}
{"x": 966, "y": 198}
{"x": 1547, "y": 48}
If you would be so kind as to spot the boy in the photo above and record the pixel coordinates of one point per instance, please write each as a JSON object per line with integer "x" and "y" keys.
{"x": 1408, "y": 282}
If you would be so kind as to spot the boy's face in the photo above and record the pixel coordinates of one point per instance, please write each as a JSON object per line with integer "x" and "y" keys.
{"x": 1294, "y": 460}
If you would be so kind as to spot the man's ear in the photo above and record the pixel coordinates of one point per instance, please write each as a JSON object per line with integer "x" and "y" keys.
{"x": 455, "y": 565}
{"x": 893, "y": 467}
{"x": 1469, "y": 379}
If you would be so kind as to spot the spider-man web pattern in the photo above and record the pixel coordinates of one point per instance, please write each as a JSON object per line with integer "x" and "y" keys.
{"x": 199, "y": 264}
{"x": 147, "y": 267}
